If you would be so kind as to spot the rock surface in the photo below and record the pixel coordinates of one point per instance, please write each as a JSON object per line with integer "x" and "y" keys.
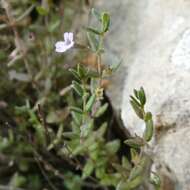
{"x": 173, "y": 149}
{"x": 153, "y": 39}
{"x": 121, "y": 40}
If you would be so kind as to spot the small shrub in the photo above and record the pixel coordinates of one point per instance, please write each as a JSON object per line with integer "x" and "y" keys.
{"x": 59, "y": 141}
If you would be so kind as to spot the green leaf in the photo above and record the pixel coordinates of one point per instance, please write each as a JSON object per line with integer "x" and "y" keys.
{"x": 95, "y": 31}
{"x": 121, "y": 185}
{"x": 148, "y": 116}
{"x": 77, "y": 118}
{"x": 101, "y": 110}
{"x": 73, "y": 181}
{"x": 149, "y": 130}
{"x": 136, "y": 182}
{"x": 142, "y": 168}
{"x": 115, "y": 66}
{"x": 138, "y": 110}
{"x": 93, "y": 74}
{"x": 78, "y": 150}
{"x": 142, "y": 96}
{"x": 90, "y": 103}
{"x": 130, "y": 185}
{"x": 76, "y": 109}
{"x": 92, "y": 41}
{"x": 75, "y": 74}
{"x": 70, "y": 134}
{"x": 86, "y": 128}
{"x": 155, "y": 180}
{"x": 110, "y": 179}
{"x": 18, "y": 180}
{"x": 136, "y": 101}
{"x": 88, "y": 169}
{"x": 101, "y": 131}
{"x": 77, "y": 87}
{"x": 23, "y": 165}
{"x": 58, "y": 138}
{"x": 11, "y": 136}
{"x": 96, "y": 14}
{"x": 134, "y": 155}
{"x": 94, "y": 155}
{"x": 81, "y": 71}
{"x": 112, "y": 147}
{"x": 93, "y": 147}
{"x": 21, "y": 110}
{"x": 40, "y": 134}
{"x": 100, "y": 172}
{"x": 54, "y": 25}
{"x": 120, "y": 169}
{"x": 4, "y": 143}
{"x": 135, "y": 172}
{"x": 136, "y": 93}
{"x": 125, "y": 163}
{"x": 105, "y": 22}
{"x": 135, "y": 142}
{"x": 2, "y": 55}
{"x": 42, "y": 11}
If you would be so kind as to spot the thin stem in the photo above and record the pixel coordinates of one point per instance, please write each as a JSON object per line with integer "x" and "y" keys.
{"x": 44, "y": 174}
{"x": 21, "y": 17}
{"x": 50, "y": 168}
{"x": 43, "y": 121}
{"x": 100, "y": 69}
{"x": 18, "y": 42}
{"x": 99, "y": 59}
{"x": 84, "y": 100}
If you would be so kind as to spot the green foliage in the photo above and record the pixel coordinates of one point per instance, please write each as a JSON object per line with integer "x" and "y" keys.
{"x": 101, "y": 110}
{"x": 42, "y": 11}
{"x": 155, "y": 180}
{"x": 55, "y": 134}
{"x": 105, "y": 22}
{"x": 138, "y": 102}
{"x": 135, "y": 142}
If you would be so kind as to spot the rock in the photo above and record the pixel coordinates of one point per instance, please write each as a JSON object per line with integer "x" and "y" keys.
{"x": 173, "y": 149}
{"x": 153, "y": 39}
{"x": 154, "y": 65}
{"x": 120, "y": 41}
{"x": 161, "y": 64}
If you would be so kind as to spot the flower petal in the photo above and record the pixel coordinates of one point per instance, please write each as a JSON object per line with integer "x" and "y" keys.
{"x": 60, "y": 44}
{"x": 60, "y": 47}
{"x": 71, "y": 36}
{"x": 66, "y": 36}
{"x": 70, "y": 45}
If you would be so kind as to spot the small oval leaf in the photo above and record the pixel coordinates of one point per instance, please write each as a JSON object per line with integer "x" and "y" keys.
{"x": 90, "y": 103}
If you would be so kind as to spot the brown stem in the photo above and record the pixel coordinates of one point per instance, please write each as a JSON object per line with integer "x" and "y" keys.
{"x": 43, "y": 121}
{"x": 18, "y": 42}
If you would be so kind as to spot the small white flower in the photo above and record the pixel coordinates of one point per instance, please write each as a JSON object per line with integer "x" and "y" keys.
{"x": 62, "y": 46}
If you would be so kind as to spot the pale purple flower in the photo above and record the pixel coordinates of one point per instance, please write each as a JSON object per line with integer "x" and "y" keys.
{"x": 62, "y": 46}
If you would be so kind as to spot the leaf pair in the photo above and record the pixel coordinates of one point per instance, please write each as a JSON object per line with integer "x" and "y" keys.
{"x": 138, "y": 102}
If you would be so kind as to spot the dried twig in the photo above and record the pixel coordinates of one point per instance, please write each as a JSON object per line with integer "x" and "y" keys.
{"x": 18, "y": 42}
{"x": 20, "y": 18}
{"x": 56, "y": 172}
{"x": 44, "y": 174}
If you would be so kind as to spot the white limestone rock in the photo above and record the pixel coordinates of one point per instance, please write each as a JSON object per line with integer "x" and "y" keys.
{"x": 161, "y": 64}
{"x": 175, "y": 153}
{"x": 153, "y": 39}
